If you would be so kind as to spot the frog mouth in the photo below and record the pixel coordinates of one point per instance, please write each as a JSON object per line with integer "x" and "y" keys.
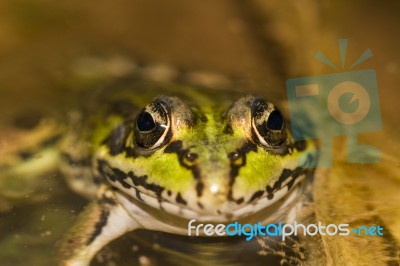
{"x": 263, "y": 207}
{"x": 175, "y": 219}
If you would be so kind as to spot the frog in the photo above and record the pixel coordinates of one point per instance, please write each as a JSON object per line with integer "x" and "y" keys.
{"x": 161, "y": 154}
{"x": 155, "y": 155}
{"x": 153, "y": 151}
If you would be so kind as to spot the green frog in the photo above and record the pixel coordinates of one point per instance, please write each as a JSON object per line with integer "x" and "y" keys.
{"x": 157, "y": 155}
{"x": 154, "y": 155}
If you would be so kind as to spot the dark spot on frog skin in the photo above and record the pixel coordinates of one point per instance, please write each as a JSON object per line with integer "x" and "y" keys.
{"x": 228, "y": 130}
{"x": 116, "y": 175}
{"x": 199, "y": 188}
{"x": 256, "y": 195}
{"x": 138, "y": 196}
{"x": 117, "y": 138}
{"x": 234, "y": 158}
{"x": 101, "y": 223}
{"x": 287, "y": 173}
{"x": 180, "y": 200}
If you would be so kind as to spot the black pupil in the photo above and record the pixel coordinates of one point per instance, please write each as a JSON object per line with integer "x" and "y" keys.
{"x": 275, "y": 120}
{"x": 145, "y": 122}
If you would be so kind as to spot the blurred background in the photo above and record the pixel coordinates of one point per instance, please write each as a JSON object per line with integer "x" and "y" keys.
{"x": 51, "y": 49}
{"x": 43, "y": 42}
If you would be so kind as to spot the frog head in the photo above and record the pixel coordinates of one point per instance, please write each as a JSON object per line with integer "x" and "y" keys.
{"x": 208, "y": 161}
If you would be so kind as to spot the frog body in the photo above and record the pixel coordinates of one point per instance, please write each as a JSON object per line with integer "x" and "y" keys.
{"x": 157, "y": 155}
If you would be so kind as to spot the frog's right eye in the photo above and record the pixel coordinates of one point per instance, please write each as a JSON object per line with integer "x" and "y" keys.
{"x": 145, "y": 122}
{"x": 152, "y": 126}
{"x": 268, "y": 124}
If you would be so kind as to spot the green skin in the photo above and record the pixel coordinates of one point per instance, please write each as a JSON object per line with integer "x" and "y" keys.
{"x": 212, "y": 159}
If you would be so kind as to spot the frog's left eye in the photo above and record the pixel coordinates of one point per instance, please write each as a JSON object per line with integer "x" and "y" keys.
{"x": 152, "y": 126}
{"x": 268, "y": 123}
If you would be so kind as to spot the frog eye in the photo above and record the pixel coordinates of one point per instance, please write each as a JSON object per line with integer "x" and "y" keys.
{"x": 275, "y": 121}
{"x": 268, "y": 123}
{"x": 145, "y": 122}
{"x": 152, "y": 126}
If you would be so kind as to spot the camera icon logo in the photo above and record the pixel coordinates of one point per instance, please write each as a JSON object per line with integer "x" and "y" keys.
{"x": 360, "y": 98}
{"x": 338, "y": 104}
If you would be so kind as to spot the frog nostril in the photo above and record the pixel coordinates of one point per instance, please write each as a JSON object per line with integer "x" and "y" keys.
{"x": 191, "y": 157}
{"x": 237, "y": 159}
{"x": 233, "y": 156}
